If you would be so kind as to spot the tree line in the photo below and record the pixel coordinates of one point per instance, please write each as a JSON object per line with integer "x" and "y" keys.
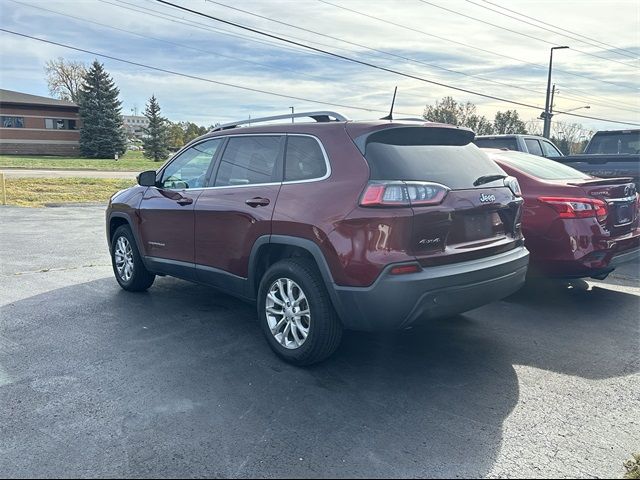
{"x": 570, "y": 138}
{"x": 102, "y": 134}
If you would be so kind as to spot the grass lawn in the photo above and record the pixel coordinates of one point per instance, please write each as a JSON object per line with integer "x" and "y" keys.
{"x": 36, "y": 192}
{"x": 131, "y": 161}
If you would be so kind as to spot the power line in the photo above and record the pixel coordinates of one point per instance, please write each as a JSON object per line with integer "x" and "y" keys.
{"x": 343, "y": 57}
{"x": 209, "y": 52}
{"x": 581, "y": 98}
{"x": 535, "y": 65}
{"x": 377, "y": 67}
{"x": 616, "y": 49}
{"x": 200, "y": 49}
{"x": 201, "y": 26}
{"x": 522, "y": 33}
{"x": 195, "y": 77}
{"x": 279, "y": 68}
{"x": 572, "y": 37}
{"x": 412, "y": 60}
{"x": 170, "y": 18}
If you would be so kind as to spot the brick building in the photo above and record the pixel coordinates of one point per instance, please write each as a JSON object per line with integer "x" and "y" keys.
{"x": 34, "y": 125}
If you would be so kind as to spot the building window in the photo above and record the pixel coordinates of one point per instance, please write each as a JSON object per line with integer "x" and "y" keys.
{"x": 12, "y": 122}
{"x": 59, "y": 124}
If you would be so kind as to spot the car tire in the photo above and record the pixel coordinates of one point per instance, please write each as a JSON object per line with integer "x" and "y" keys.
{"x": 321, "y": 325}
{"x": 128, "y": 267}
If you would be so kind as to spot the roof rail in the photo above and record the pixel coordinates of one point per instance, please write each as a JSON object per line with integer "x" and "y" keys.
{"x": 412, "y": 119}
{"x": 320, "y": 116}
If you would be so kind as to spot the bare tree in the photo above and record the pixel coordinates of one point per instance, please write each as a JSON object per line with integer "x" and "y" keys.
{"x": 64, "y": 78}
{"x": 574, "y": 134}
{"x": 533, "y": 127}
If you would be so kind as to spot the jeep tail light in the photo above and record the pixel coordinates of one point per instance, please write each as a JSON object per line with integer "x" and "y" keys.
{"x": 403, "y": 194}
{"x": 577, "y": 207}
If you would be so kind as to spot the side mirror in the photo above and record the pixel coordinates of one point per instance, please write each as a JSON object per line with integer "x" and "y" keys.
{"x": 147, "y": 179}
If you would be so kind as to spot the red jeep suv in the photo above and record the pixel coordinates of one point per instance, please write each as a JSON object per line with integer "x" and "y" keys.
{"x": 327, "y": 225}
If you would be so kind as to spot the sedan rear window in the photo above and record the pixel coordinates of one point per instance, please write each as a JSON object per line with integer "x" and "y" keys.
{"x": 424, "y": 154}
{"x": 539, "y": 167}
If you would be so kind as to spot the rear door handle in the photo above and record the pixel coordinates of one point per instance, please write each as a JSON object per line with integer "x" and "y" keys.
{"x": 258, "y": 202}
{"x": 185, "y": 201}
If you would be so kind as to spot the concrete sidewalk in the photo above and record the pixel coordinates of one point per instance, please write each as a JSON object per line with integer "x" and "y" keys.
{"x": 54, "y": 173}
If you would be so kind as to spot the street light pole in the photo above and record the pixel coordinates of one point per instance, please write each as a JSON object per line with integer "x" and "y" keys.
{"x": 547, "y": 110}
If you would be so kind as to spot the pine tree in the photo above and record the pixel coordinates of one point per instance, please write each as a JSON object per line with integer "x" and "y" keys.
{"x": 156, "y": 138}
{"x": 102, "y": 134}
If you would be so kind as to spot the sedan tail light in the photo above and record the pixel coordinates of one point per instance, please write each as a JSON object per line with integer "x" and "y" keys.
{"x": 403, "y": 194}
{"x": 568, "y": 207}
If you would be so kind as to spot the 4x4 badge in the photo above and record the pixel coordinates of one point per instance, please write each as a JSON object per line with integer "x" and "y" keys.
{"x": 486, "y": 198}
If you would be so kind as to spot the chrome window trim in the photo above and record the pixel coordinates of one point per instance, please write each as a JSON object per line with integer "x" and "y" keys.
{"x": 324, "y": 154}
{"x": 169, "y": 161}
{"x": 291, "y": 182}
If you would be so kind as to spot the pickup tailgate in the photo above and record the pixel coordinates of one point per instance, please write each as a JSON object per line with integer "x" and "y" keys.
{"x": 606, "y": 165}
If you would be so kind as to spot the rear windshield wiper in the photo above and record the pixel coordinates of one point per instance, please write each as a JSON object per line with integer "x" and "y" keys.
{"x": 487, "y": 178}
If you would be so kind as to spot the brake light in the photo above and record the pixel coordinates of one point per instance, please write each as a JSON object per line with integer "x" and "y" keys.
{"x": 578, "y": 207}
{"x": 403, "y": 194}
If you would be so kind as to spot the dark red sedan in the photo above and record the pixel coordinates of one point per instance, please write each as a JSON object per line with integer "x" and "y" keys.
{"x": 575, "y": 225}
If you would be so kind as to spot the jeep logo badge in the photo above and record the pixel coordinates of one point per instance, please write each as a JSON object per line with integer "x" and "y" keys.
{"x": 487, "y": 198}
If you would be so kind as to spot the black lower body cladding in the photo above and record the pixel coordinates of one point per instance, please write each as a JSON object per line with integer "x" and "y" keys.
{"x": 398, "y": 301}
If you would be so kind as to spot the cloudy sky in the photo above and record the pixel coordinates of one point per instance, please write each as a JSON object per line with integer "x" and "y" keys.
{"x": 494, "y": 47}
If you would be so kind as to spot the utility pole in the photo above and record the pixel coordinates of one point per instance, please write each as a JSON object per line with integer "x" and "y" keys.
{"x": 547, "y": 110}
{"x": 553, "y": 94}
{"x": 292, "y": 113}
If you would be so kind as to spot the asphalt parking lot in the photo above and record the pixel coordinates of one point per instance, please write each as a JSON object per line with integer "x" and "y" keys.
{"x": 178, "y": 381}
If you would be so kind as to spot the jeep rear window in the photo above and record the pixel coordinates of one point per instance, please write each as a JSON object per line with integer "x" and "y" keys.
{"x": 413, "y": 154}
{"x": 508, "y": 143}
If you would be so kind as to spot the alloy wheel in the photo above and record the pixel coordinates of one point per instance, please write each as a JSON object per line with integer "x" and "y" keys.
{"x": 123, "y": 255}
{"x": 288, "y": 314}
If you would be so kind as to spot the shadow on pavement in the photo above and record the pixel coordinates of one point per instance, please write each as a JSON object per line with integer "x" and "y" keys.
{"x": 179, "y": 382}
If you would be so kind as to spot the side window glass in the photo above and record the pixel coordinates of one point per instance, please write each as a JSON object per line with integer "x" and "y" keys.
{"x": 304, "y": 159}
{"x": 250, "y": 160}
{"x": 549, "y": 150}
{"x": 189, "y": 170}
{"x": 533, "y": 146}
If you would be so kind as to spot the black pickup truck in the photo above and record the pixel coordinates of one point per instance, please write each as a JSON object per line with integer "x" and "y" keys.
{"x": 610, "y": 153}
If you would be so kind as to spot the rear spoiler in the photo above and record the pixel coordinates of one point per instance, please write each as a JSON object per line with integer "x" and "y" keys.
{"x": 445, "y": 135}
{"x": 602, "y": 181}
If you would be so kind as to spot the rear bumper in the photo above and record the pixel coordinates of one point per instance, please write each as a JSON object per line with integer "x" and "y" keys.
{"x": 597, "y": 263}
{"x": 397, "y": 301}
